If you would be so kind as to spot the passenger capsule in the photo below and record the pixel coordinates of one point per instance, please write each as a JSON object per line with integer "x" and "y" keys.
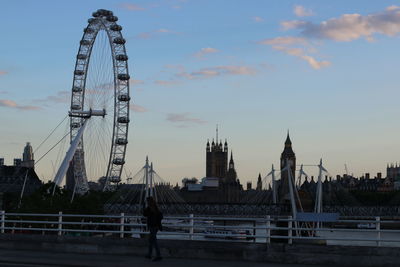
{"x": 101, "y": 11}
{"x": 75, "y": 107}
{"x": 85, "y": 42}
{"x": 91, "y": 20}
{"x": 104, "y": 12}
{"x": 81, "y": 56}
{"x": 121, "y": 141}
{"x": 115, "y": 179}
{"x": 121, "y": 57}
{"x": 123, "y": 119}
{"x": 112, "y": 18}
{"x": 124, "y": 98}
{"x": 116, "y": 27}
{"x": 118, "y": 161}
{"x": 119, "y": 40}
{"x": 123, "y": 77}
{"x": 88, "y": 30}
{"x": 76, "y": 89}
{"x": 79, "y": 72}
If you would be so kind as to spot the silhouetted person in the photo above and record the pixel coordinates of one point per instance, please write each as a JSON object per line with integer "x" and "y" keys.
{"x": 154, "y": 217}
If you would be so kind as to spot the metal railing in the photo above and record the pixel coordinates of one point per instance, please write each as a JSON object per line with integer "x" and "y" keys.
{"x": 356, "y": 231}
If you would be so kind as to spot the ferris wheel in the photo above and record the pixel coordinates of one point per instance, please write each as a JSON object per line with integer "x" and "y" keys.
{"x": 99, "y": 111}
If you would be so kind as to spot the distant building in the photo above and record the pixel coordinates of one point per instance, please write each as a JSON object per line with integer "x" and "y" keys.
{"x": 248, "y": 186}
{"x": 393, "y": 174}
{"x": 288, "y": 158}
{"x": 259, "y": 183}
{"x": 17, "y": 162}
{"x": 27, "y": 157}
{"x": 216, "y": 159}
{"x": 221, "y": 183}
{"x": 13, "y": 177}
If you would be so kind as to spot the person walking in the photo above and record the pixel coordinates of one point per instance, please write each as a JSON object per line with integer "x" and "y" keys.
{"x": 154, "y": 218}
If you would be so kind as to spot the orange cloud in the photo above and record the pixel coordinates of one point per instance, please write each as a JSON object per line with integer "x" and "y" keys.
{"x": 132, "y": 7}
{"x": 349, "y": 27}
{"x": 183, "y": 119}
{"x": 12, "y": 104}
{"x": 301, "y": 11}
{"x": 137, "y": 108}
{"x": 205, "y": 51}
{"x": 166, "y": 83}
{"x": 218, "y": 71}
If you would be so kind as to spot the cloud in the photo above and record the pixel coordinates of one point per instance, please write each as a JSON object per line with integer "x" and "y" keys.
{"x": 350, "y": 27}
{"x": 137, "y": 108}
{"x": 301, "y": 11}
{"x": 2, "y": 72}
{"x": 183, "y": 119}
{"x": 296, "y": 46}
{"x": 3, "y": 92}
{"x": 393, "y": 7}
{"x": 300, "y": 53}
{"x": 166, "y": 83}
{"x": 284, "y": 40}
{"x": 218, "y": 71}
{"x": 163, "y": 31}
{"x": 12, "y": 104}
{"x": 258, "y": 19}
{"x": 152, "y": 34}
{"x": 205, "y": 51}
{"x": 292, "y": 24}
{"x": 132, "y": 7}
{"x": 60, "y": 97}
{"x": 134, "y": 82}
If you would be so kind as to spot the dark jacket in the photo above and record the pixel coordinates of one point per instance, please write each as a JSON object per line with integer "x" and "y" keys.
{"x": 153, "y": 218}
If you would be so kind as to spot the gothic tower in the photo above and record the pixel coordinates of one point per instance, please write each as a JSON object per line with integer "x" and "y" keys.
{"x": 27, "y": 156}
{"x": 231, "y": 175}
{"x": 216, "y": 159}
{"x": 287, "y": 156}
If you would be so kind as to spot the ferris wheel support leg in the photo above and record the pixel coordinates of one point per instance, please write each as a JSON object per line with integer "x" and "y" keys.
{"x": 68, "y": 157}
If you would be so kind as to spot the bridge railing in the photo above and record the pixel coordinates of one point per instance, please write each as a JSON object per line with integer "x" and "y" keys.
{"x": 355, "y": 231}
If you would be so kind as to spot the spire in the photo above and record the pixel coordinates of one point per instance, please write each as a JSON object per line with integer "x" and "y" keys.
{"x": 231, "y": 163}
{"x": 288, "y": 142}
{"x": 216, "y": 131}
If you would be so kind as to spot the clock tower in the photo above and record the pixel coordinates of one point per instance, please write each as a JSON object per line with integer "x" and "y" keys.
{"x": 287, "y": 156}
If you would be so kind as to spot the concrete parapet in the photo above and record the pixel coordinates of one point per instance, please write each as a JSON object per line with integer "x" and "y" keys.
{"x": 298, "y": 253}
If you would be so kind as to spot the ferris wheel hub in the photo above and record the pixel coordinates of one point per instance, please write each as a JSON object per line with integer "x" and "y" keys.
{"x": 87, "y": 114}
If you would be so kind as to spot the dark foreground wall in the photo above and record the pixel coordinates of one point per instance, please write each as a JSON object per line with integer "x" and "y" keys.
{"x": 278, "y": 253}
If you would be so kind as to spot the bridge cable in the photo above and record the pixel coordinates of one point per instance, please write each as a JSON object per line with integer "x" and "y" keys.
{"x": 50, "y": 134}
{"x": 36, "y": 162}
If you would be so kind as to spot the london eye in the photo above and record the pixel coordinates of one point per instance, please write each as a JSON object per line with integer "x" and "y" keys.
{"x": 99, "y": 110}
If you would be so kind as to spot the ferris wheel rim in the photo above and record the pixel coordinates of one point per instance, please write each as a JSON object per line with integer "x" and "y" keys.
{"x": 103, "y": 20}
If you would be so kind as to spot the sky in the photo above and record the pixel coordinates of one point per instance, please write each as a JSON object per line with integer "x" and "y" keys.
{"x": 325, "y": 71}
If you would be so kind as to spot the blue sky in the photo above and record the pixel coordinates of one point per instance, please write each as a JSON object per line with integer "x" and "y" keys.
{"x": 326, "y": 71}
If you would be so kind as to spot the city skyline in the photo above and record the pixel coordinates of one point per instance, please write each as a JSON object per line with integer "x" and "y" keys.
{"x": 326, "y": 73}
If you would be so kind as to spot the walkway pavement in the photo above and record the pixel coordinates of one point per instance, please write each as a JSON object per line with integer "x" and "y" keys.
{"x": 24, "y": 258}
